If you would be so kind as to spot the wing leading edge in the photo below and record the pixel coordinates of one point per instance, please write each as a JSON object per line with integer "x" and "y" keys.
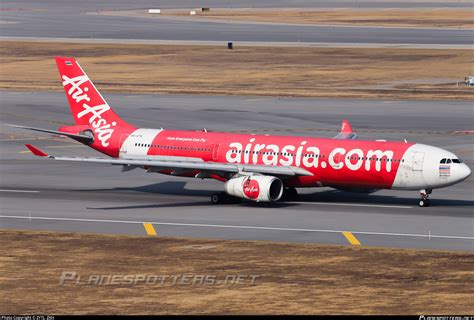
{"x": 182, "y": 163}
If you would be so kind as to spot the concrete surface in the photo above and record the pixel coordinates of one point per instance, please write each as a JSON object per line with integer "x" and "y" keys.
{"x": 44, "y": 194}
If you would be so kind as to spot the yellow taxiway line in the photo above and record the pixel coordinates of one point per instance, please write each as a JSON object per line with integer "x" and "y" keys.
{"x": 149, "y": 229}
{"x": 351, "y": 238}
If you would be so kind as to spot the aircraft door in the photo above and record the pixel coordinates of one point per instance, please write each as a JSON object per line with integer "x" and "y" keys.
{"x": 417, "y": 164}
{"x": 215, "y": 152}
{"x": 123, "y": 145}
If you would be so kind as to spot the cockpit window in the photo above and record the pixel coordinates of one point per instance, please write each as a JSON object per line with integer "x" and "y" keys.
{"x": 450, "y": 161}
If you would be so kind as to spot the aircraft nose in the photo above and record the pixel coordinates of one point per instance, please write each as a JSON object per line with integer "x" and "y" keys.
{"x": 460, "y": 173}
{"x": 466, "y": 171}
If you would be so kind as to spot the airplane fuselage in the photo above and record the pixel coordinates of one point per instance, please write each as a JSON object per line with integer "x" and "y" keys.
{"x": 335, "y": 163}
{"x": 253, "y": 167}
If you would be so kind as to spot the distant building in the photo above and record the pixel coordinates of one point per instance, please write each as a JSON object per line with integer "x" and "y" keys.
{"x": 469, "y": 81}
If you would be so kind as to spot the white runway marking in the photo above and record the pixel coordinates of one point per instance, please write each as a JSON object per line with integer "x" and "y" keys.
{"x": 421, "y": 235}
{"x": 352, "y": 204}
{"x": 27, "y": 191}
{"x": 258, "y": 99}
{"x": 387, "y": 102}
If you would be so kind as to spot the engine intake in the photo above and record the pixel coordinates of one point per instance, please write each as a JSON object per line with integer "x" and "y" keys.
{"x": 255, "y": 188}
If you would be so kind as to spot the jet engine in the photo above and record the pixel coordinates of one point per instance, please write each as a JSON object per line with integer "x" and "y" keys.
{"x": 255, "y": 188}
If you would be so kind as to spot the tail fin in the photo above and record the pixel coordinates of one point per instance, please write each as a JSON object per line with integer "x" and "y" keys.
{"x": 346, "y": 127}
{"x": 346, "y": 132}
{"x": 88, "y": 107}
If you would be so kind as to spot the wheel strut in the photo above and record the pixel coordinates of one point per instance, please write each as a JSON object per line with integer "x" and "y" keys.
{"x": 425, "y": 198}
{"x": 222, "y": 197}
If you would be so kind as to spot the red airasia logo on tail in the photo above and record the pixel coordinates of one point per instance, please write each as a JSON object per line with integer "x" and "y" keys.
{"x": 88, "y": 107}
{"x": 102, "y": 128}
{"x": 251, "y": 188}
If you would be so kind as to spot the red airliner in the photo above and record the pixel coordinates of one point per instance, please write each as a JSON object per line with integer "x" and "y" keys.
{"x": 254, "y": 167}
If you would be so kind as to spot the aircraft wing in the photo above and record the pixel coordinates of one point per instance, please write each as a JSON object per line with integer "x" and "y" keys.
{"x": 346, "y": 132}
{"x": 156, "y": 163}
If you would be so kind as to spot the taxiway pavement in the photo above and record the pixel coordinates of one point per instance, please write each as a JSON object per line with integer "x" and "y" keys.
{"x": 57, "y": 19}
{"x": 44, "y": 194}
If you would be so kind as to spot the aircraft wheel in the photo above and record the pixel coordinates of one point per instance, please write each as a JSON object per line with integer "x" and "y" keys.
{"x": 222, "y": 197}
{"x": 424, "y": 203}
{"x": 218, "y": 198}
{"x": 425, "y": 198}
{"x": 290, "y": 194}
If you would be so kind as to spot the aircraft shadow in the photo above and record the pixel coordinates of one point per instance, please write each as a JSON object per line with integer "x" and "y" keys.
{"x": 272, "y": 205}
{"x": 373, "y": 198}
{"x": 178, "y": 188}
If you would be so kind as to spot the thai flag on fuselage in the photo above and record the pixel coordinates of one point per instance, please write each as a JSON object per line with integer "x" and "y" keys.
{"x": 444, "y": 170}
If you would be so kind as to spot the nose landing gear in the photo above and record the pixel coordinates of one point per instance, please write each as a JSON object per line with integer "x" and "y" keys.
{"x": 425, "y": 198}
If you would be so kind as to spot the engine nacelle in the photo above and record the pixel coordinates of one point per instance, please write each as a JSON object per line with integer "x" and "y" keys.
{"x": 255, "y": 188}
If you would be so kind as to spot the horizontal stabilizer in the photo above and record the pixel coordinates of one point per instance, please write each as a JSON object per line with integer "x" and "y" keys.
{"x": 78, "y": 137}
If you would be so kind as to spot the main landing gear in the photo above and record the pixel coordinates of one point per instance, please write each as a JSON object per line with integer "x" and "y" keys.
{"x": 222, "y": 197}
{"x": 289, "y": 194}
{"x": 425, "y": 198}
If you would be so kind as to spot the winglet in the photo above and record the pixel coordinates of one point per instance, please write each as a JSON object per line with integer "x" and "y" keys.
{"x": 37, "y": 152}
{"x": 346, "y": 127}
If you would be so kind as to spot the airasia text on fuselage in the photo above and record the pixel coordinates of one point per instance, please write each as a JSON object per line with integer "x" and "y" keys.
{"x": 308, "y": 156}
